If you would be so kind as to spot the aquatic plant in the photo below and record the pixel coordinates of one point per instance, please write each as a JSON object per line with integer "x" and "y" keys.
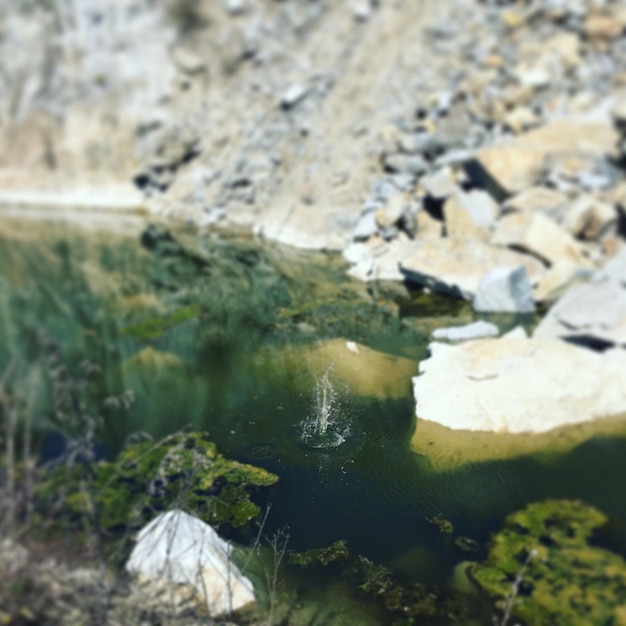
{"x": 183, "y": 470}
{"x": 156, "y": 325}
{"x": 338, "y": 551}
{"x": 542, "y": 568}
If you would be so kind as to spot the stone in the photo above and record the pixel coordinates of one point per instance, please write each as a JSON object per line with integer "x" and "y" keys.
{"x": 427, "y": 226}
{"x": 588, "y": 217}
{"x": 185, "y": 550}
{"x": 366, "y": 226}
{"x": 537, "y": 234}
{"x": 384, "y": 261}
{"x": 470, "y": 214}
{"x": 456, "y": 266}
{"x": 293, "y": 95}
{"x": 510, "y": 167}
{"x": 506, "y": 169}
{"x": 504, "y": 289}
{"x": 548, "y": 201}
{"x": 594, "y": 311}
{"x": 475, "y": 330}
{"x": 392, "y": 211}
{"x": 518, "y": 385}
{"x": 413, "y": 164}
{"x": 520, "y": 119}
{"x": 559, "y": 277}
{"x": 440, "y": 184}
{"x": 598, "y": 27}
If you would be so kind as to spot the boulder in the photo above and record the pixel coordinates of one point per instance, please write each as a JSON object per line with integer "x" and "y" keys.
{"x": 587, "y": 218}
{"x": 440, "y": 184}
{"x": 456, "y": 266}
{"x": 518, "y": 385}
{"x": 537, "y": 234}
{"x": 504, "y": 289}
{"x": 516, "y": 165}
{"x": 184, "y": 550}
{"x": 594, "y": 311}
{"x": 475, "y": 330}
{"x": 383, "y": 261}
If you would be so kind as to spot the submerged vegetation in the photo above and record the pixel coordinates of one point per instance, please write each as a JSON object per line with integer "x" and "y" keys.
{"x": 542, "y": 568}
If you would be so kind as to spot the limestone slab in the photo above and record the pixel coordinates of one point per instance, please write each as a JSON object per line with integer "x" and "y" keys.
{"x": 477, "y": 386}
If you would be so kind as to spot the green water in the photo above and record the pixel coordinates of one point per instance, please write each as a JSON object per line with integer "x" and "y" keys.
{"x": 216, "y": 334}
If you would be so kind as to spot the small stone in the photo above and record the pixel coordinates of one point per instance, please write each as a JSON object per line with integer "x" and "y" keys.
{"x": 599, "y": 27}
{"x": 441, "y": 184}
{"x": 293, "y": 96}
{"x": 235, "y": 7}
{"x": 427, "y": 144}
{"x": 512, "y": 19}
{"x": 533, "y": 76}
{"x": 475, "y": 330}
{"x": 413, "y": 164}
{"x": 392, "y": 211}
{"x": 366, "y": 226}
{"x": 520, "y": 119}
{"x": 588, "y": 217}
{"x": 504, "y": 289}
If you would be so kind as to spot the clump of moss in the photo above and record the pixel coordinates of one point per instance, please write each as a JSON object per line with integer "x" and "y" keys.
{"x": 338, "y": 551}
{"x": 182, "y": 470}
{"x": 542, "y": 569}
{"x": 154, "y": 326}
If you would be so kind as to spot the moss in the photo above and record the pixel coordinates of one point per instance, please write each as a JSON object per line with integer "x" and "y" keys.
{"x": 183, "y": 470}
{"x": 155, "y": 326}
{"x": 562, "y": 579}
{"x": 338, "y": 551}
{"x": 374, "y": 579}
{"x": 443, "y": 525}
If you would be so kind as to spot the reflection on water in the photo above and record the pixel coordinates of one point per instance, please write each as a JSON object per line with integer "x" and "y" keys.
{"x": 250, "y": 344}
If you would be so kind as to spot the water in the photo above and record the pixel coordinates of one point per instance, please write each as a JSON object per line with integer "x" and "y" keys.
{"x": 289, "y": 365}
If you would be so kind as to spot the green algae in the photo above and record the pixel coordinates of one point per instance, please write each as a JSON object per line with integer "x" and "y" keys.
{"x": 180, "y": 471}
{"x": 155, "y": 326}
{"x": 338, "y": 551}
{"x": 542, "y": 569}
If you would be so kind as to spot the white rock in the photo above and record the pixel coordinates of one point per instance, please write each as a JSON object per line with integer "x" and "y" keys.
{"x": 470, "y": 215}
{"x": 475, "y": 330}
{"x": 293, "y": 96}
{"x": 537, "y": 234}
{"x": 548, "y": 201}
{"x": 440, "y": 184}
{"x": 596, "y": 309}
{"x": 588, "y": 218}
{"x": 504, "y": 289}
{"x": 518, "y": 385}
{"x": 185, "y": 550}
{"x": 456, "y": 266}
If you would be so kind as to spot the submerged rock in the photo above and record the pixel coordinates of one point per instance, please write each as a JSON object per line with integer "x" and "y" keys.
{"x": 185, "y": 550}
{"x": 484, "y": 391}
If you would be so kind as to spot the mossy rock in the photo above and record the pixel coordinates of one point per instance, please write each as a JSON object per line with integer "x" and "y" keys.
{"x": 182, "y": 470}
{"x": 560, "y": 579}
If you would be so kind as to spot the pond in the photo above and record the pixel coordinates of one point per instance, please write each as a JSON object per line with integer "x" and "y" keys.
{"x": 289, "y": 365}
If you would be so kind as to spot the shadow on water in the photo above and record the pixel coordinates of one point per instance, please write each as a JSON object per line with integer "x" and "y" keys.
{"x": 223, "y": 336}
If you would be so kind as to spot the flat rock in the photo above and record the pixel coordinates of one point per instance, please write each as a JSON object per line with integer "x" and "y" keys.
{"x": 504, "y": 289}
{"x": 514, "y": 166}
{"x": 543, "y": 199}
{"x": 383, "y": 262}
{"x": 592, "y": 311}
{"x": 480, "y": 382}
{"x": 456, "y": 266}
{"x": 537, "y": 234}
{"x": 185, "y": 550}
{"x": 475, "y": 330}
